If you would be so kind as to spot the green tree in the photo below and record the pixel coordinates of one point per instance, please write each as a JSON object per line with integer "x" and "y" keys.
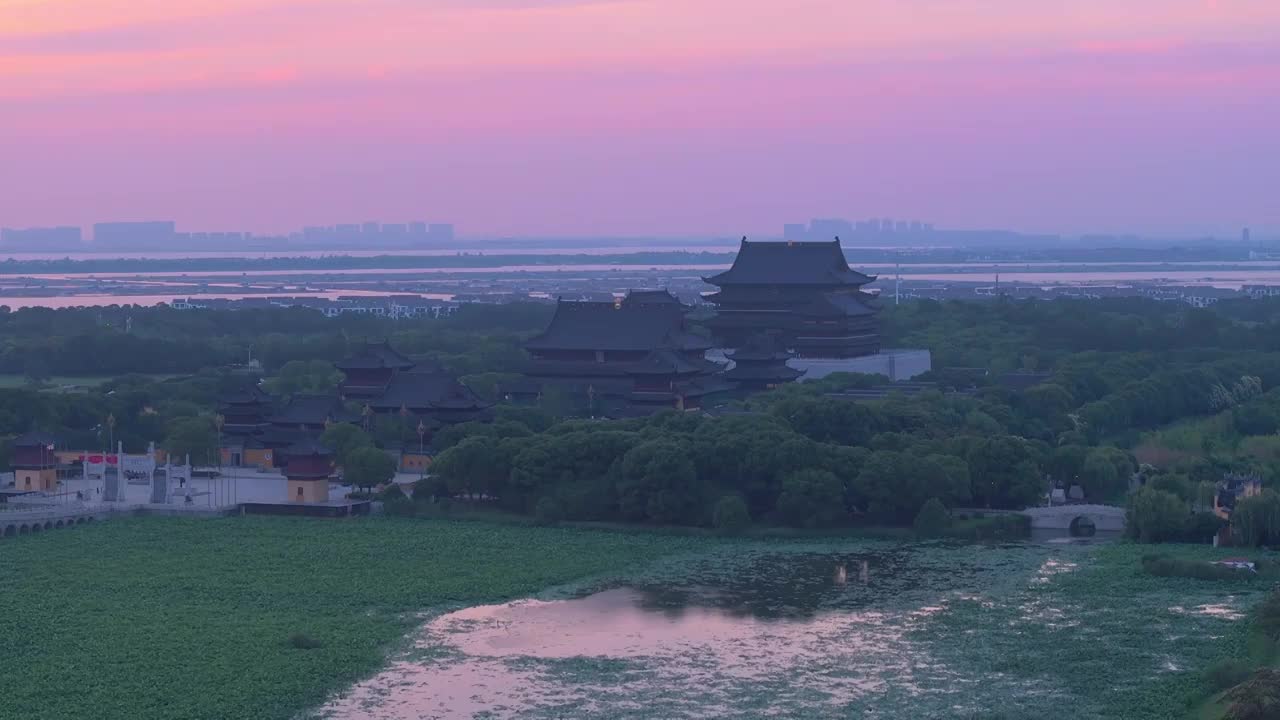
{"x": 1004, "y": 473}
{"x": 811, "y": 498}
{"x": 304, "y": 376}
{"x": 477, "y": 465}
{"x": 658, "y": 482}
{"x": 344, "y": 439}
{"x": 367, "y": 467}
{"x": 1156, "y": 516}
{"x": 933, "y": 520}
{"x": 1099, "y": 477}
{"x": 1175, "y": 484}
{"x": 1067, "y": 462}
{"x": 195, "y": 437}
{"x": 1256, "y": 418}
{"x": 895, "y": 485}
{"x": 1257, "y": 519}
{"x": 730, "y": 514}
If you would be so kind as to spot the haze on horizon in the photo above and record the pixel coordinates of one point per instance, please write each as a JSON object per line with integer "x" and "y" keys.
{"x": 642, "y": 117}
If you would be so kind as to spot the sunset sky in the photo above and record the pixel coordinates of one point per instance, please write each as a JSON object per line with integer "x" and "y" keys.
{"x": 637, "y": 117}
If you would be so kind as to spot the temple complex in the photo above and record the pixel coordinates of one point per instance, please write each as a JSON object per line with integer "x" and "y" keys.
{"x": 804, "y": 294}
{"x": 378, "y": 382}
{"x": 636, "y": 353}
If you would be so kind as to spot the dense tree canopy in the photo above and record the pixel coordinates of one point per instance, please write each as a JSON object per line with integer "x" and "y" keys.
{"x": 1191, "y": 393}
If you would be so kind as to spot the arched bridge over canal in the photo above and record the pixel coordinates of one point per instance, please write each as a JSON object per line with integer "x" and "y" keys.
{"x": 1069, "y": 517}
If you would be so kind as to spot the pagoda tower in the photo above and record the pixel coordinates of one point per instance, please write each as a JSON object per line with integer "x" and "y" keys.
{"x": 35, "y": 463}
{"x": 308, "y": 466}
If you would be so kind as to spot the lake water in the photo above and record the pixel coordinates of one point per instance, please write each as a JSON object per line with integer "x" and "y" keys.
{"x": 871, "y": 630}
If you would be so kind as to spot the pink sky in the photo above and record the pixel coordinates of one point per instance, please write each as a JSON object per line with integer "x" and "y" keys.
{"x": 634, "y": 117}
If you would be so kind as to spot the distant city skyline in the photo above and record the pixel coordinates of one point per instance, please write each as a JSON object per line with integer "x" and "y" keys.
{"x": 153, "y": 233}
{"x": 643, "y": 117}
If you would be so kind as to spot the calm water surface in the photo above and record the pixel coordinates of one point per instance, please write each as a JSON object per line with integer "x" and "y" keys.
{"x": 876, "y": 631}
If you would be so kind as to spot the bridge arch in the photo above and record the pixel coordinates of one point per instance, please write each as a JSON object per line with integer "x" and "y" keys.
{"x": 10, "y": 530}
{"x": 1083, "y": 526}
{"x": 24, "y": 529}
{"x": 1076, "y": 518}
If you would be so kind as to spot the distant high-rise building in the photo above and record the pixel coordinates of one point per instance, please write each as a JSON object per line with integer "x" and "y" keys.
{"x": 41, "y": 237}
{"x": 417, "y": 227}
{"x": 828, "y": 228}
{"x": 394, "y": 229}
{"x": 154, "y": 233}
{"x": 1244, "y": 236}
{"x": 794, "y": 232}
{"x": 371, "y": 229}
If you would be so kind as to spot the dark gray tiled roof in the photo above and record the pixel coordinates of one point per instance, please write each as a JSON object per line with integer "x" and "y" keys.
{"x": 790, "y": 263}
{"x": 374, "y": 356}
{"x": 618, "y": 327}
{"x": 425, "y": 390}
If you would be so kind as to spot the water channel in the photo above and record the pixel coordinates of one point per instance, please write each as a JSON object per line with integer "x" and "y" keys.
{"x": 875, "y": 630}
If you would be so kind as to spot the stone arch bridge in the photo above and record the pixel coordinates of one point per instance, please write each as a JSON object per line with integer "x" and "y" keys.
{"x": 1065, "y": 517}
{"x": 16, "y": 523}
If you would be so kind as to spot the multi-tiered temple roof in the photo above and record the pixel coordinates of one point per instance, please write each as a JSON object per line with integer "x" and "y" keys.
{"x": 368, "y": 370}
{"x": 387, "y": 382}
{"x": 761, "y": 364}
{"x": 637, "y": 351}
{"x": 802, "y": 293}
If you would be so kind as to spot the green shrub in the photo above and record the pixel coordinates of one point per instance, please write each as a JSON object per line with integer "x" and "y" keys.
{"x": 1165, "y": 566}
{"x": 730, "y": 514}
{"x": 993, "y": 527}
{"x": 1268, "y": 620}
{"x": 1257, "y": 698}
{"x": 1202, "y": 527}
{"x": 548, "y": 510}
{"x": 933, "y": 520}
{"x": 303, "y": 641}
{"x": 1156, "y": 516}
{"x": 1227, "y": 674}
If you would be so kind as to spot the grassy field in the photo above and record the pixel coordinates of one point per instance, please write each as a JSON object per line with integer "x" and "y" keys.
{"x": 178, "y": 618}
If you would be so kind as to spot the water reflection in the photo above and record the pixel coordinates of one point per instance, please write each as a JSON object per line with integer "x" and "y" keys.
{"x": 912, "y": 631}
{"x": 798, "y": 630}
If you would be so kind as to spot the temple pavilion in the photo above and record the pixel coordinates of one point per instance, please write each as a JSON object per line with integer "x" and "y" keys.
{"x": 635, "y": 354}
{"x": 803, "y": 294}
